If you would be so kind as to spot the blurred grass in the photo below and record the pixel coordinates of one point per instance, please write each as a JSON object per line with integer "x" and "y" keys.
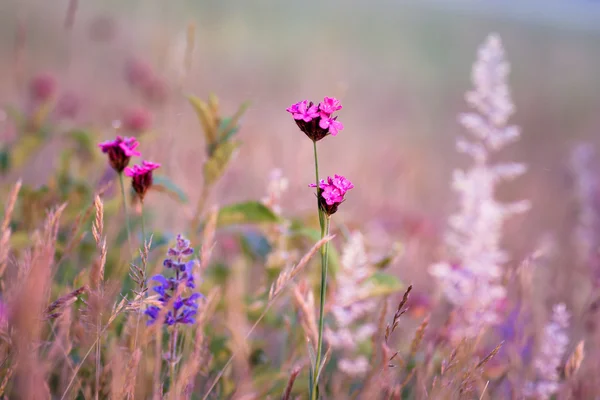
{"x": 401, "y": 70}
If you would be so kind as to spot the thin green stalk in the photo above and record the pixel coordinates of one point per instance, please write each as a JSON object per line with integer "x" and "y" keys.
{"x": 324, "y": 262}
{"x": 127, "y": 222}
{"x": 173, "y": 361}
{"x": 324, "y": 224}
{"x": 143, "y": 227}
{"x": 321, "y": 224}
{"x": 195, "y": 225}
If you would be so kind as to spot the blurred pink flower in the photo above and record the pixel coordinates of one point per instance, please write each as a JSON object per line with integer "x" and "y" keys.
{"x": 120, "y": 151}
{"x": 138, "y": 73}
{"x": 332, "y": 192}
{"x": 141, "y": 177}
{"x": 43, "y": 87}
{"x": 141, "y": 77}
{"x": 303, "y": 110}
{"x": 155, "y": 91}
{"x": 137, "y": 120}
{"x": 68, "y": 105}
{"x": 329, "y": 105}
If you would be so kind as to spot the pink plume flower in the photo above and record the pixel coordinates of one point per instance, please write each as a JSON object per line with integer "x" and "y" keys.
{"x": 316, "y": 121}
{"x": 120, "y": 151}
{"x": 329, "y": 105}
{"x": 141, "y": 177}
{"x": 331, "y": 192}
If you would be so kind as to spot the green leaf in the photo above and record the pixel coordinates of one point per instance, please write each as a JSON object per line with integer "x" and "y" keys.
{"x": 383, "y": 284}
{"x": 216, "y": 164}
{"x": 84, "y": 142}
{"x": 229, "y": 126}
{"x": 384, "y": 262}
{"x": 207, "y": 118}
{"x": 23, "y": 150}
{"x": 162, "y": 183}
{"x": 4, "y": 161}
{"x": 256, "y": 244}
{"x": 250, "y": 212}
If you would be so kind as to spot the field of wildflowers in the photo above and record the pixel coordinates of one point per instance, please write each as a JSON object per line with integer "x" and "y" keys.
{"x": 158, "y": 241}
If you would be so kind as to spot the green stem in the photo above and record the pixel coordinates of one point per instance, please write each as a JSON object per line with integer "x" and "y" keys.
{"x": 324, "y": 262}
{"x": 321, "y": 224}
{"x": 143, "y": 227}
{"x": 324, "y": 224}
{"x": 173, "y": 362}
{"x": 127, "y": 223}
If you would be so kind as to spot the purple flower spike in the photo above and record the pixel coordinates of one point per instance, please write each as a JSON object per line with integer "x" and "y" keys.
{"x": 184, "y": 309}
{"x": 120, "y": 151}
{"x": 316, "y": 121}
{"x": 331, "y": 192}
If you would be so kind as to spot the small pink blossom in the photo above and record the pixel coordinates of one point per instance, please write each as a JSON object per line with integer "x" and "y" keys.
{"x": 137, "y": 170}
{"x": 332, "y": 124}
{"x": 68, "y": 105}
{"x": 43, "y": 87}
{"x": 141, "y": 177}
{"x": 120, "y": 151}
{"x": 126, "y": 144}
{"x": 329, "y": 105}
{"x": 304, "y": 111}
{"x": 137, "y": 120}
{"x": 138, "y": 73}
{"x": 332, "y": 192}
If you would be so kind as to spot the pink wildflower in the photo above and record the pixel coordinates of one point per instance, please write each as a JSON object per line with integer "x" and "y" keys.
{"x": 137, "y": 120}
{"x": 332, "y": 124}
{"x": 43, "y": 87}
{"x": 329, "y": 105}
{"x": 141, "y": 177}
{"x": 68, "y": 105}
{"x": 120, "y": 151}
{"x": 332, "y": 192}
{"x": 304, "y": 110}
{"x": 316, "y": 121}
{"x": 138, "y": 73}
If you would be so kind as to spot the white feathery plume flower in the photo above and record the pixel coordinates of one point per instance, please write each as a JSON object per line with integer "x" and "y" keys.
{"x": 552, "y": 350}
{"x": 350, "y": 305}
{"x": 277, "y": 185}
{"x": 473, "y": 285}
{"x": 587, "y": 193}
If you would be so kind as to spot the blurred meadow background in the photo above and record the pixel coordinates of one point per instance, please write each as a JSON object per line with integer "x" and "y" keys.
{"x": 401, "y": 71}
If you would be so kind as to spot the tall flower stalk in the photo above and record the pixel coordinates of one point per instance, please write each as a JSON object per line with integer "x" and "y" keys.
{"x": 125, "y": 211}
{"x": 317, "y": 122}
{"x": 141, "y": 181}
{"x": 181, "y": 310}
{"x": 120, "y": 151}
{"x": 473, "y": 282}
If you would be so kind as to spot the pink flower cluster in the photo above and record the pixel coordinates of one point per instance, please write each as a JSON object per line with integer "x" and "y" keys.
{"x": 332, "y": 192}
{"x": 120, "y": 151}
{"x": 317, "y": 121}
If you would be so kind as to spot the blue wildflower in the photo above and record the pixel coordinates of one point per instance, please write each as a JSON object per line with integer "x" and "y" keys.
{"x": 184, "y": 309}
